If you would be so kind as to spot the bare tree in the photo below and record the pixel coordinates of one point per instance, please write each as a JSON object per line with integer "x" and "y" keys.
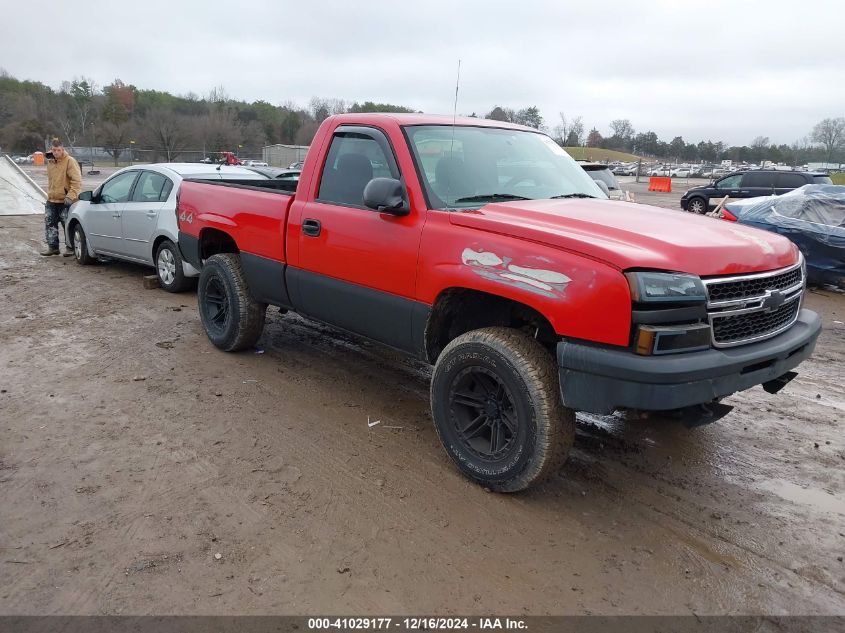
{"x": 321, "y": 109}
{"x": 305, "y": 134}
{"x": 218, "y": 95}
{"x": 115, "y": 138}
{"x": 165, "y": 132}
{"x": 219, "y": 131}
{"x": 622, "y": 128}
{"x": 70, "y": 130}
{"x": 831, "y": 134}
{"x": 561, "y": 131}
{"x": 576, "y": 133}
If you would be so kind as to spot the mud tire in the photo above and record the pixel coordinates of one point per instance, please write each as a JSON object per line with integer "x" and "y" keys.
{"x": 540, "y": 429}
{"x": 232, "y": 318}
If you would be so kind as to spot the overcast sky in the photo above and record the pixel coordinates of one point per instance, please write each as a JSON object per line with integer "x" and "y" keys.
{"x": 702, "y": 69}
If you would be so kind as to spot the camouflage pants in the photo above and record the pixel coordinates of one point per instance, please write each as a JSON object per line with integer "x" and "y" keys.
{"x": 54, "y": 214}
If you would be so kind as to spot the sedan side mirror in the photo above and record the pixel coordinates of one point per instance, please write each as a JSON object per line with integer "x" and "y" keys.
{"x": 87, "y": 196}
{"x": 386, "y": 195}
{"x": 603, "y": 186}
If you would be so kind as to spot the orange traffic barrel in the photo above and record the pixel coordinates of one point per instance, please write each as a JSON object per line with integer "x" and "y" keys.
{"x": 38, "y": 158}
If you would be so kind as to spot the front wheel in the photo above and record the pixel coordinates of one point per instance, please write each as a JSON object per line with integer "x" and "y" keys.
{"x": 697, "y": 205}
{"x": 80, "y": 246}
{"x": 496, "y": 406}
{"x": 171, "y": 275}
{"x": 232, "y": 318}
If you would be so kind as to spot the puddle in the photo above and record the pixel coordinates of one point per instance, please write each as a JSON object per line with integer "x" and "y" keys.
{"x": 815, "y": 497}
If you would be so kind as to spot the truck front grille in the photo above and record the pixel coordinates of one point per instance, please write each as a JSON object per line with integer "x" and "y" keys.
{"x": 750, "y": 308}
{"x": 743, "y": 328}
{"x": 746, "y": 288}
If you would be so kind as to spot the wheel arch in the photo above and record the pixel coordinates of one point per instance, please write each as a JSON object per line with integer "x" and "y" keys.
{"x": 72, "y": 223}
{"x": 157, "y": 241}
{"x": 458, "y": 310}
{"x": 213, "y": 241}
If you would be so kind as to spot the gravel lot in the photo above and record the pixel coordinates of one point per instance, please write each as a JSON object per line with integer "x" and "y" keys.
{"x": 144, "y": 472}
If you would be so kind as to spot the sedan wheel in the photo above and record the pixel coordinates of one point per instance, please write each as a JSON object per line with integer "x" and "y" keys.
{"x": 171, "y": 276}
{"x": 166, "y": 266}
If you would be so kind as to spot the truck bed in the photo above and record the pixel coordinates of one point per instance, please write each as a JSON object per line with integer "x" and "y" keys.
{"x": 252, "y": 212}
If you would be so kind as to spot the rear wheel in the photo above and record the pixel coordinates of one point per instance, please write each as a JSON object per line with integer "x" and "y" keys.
{"x": 496, "y": 406}
{"x": 697, "y": 205}
{"x": 80, "y": 246}
{"x": 171, "y": 275}
{"x": 232, "y": 318}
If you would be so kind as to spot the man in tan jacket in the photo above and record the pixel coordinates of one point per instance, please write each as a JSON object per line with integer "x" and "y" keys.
{"x": 64, "y": 180}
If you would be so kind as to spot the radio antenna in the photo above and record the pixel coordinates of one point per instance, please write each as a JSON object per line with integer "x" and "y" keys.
{"x": 454, "y": 117}
{"x": 455, "y": 110}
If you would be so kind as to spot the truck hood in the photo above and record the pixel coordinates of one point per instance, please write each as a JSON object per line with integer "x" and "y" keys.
{"x": 629, "y": 235}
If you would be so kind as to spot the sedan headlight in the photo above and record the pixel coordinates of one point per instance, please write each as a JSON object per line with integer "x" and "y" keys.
{"x": 649, "y": 287}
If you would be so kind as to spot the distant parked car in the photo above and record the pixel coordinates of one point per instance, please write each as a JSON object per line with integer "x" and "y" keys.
{"x": 602, "y": 175}
{"x": 297, "y": 165}
{"x": 276, "y": 172}
{"x": 660, "y": 170}
{"x": 132, "y": 216}
{"x": 749, "y": 184}
{"x": 701, "y": 171}
{"x": 207, "y": 160}
{"x": 625, "y": 170}
{"x": 680, "y": 172}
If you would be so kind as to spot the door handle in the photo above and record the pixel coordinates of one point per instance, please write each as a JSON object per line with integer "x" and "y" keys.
{"x": 115, "y": 215}
{"x": 311, "y": 228}
{"x": 152, "y": 214}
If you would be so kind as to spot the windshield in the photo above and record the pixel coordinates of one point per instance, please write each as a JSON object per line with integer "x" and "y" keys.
{"x": 466, "y": 167}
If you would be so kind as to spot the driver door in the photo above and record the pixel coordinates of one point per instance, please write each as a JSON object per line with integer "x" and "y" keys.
{"x": 357, "y": 267}
{"x": 103, "y": 223}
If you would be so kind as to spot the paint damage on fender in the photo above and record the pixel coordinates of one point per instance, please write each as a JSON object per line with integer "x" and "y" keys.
{"x": 491, "y": 266}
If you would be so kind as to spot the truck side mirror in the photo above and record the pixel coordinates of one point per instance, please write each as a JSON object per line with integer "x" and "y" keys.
{"x": 386, "y": 195}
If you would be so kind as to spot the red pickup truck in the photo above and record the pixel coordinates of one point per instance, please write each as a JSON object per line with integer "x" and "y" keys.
{"x": 485, "y": 249}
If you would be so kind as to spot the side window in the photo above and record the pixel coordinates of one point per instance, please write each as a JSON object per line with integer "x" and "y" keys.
{"x": 731, "y": 182}
{"x": 152, "y": 187}
{"x": 354, "y": 159}
{"x": 791, "y": 181}
{"x": 117, "y": 189}
{"x": 758, "y": 179}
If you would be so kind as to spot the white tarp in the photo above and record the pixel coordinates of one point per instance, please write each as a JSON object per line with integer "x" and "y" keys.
{"x": 19, "y": 195}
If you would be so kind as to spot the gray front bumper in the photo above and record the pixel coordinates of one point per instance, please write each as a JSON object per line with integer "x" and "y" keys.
{"x": 601, "y": 379}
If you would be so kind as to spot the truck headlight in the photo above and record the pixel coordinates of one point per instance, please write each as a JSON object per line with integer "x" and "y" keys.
{"x": 647, "y": 287}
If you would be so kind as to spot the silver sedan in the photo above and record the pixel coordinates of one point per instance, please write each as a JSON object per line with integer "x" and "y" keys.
{"x": 132, "y": 216}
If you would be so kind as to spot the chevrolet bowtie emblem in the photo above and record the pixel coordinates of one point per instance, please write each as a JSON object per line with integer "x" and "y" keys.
{"x": 773, "y": 301}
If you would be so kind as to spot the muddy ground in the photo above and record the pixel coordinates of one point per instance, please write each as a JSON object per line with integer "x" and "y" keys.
{"x": 142, "y": 471}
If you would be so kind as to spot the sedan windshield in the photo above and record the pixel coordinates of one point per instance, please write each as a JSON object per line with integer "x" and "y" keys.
{"x": 466, "y": 167}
